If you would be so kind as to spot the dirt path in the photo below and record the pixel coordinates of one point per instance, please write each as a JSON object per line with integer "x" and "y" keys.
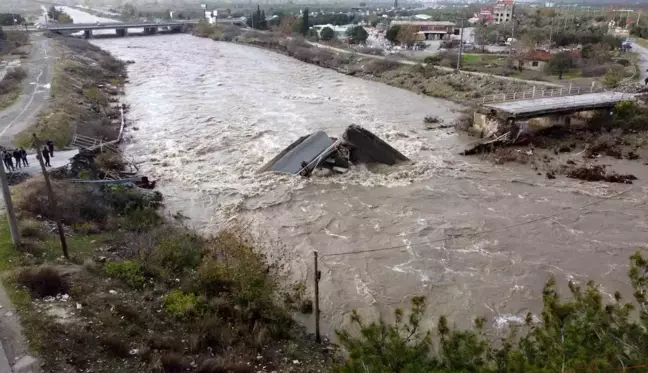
{"x": 23, "y": 112}
{"x": 643, "y": 61}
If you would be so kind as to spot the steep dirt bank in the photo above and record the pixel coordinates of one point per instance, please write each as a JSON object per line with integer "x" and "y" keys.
{"x": 82, "y": 96}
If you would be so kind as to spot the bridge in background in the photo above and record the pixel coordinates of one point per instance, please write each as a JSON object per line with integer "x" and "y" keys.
{"x": 121, "y": 28}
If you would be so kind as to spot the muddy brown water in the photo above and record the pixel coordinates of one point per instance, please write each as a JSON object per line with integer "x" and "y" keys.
{"x": 206, "y": 115}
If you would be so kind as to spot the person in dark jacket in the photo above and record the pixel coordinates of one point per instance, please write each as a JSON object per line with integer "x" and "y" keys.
{"x": 18, "y": 157}
{"x": 46, "y": 156}
{"x": 8, "y": 161}
{"x": 50, "y": 146}
{"x": 4, "y": 160}
{"x": 23, "y": 157}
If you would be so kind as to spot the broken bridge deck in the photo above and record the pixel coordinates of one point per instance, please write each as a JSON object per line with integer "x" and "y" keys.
{"x": 557, "y": 105}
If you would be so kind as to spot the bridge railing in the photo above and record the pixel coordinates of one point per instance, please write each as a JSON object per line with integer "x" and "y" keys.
{"x": 540, "y": 92}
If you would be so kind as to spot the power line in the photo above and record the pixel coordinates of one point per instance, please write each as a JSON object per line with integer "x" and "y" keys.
{"x": 470, "y": 235}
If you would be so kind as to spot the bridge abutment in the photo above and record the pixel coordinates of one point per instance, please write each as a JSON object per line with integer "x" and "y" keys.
{"x": 122, "y": 32}
{"x": 87, "y": 34}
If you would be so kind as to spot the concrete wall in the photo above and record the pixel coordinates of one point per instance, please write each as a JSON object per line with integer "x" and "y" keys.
{"x": 490, "y": 125}
{"x": 483, "y": 125}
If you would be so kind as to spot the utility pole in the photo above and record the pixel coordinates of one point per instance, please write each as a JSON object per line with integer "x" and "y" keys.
{"x": 512, "y": 36}
{"x": 460, "y": 45}
{"x": 52, "y": 198}
{"x": 11, "y": 215}
{"x": 316, "y": 275}
{"x": 551, "y": 32}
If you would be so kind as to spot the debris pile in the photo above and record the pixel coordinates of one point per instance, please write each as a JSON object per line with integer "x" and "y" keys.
{"x": 598, "y": 173}
{"x": 318, "y": 150}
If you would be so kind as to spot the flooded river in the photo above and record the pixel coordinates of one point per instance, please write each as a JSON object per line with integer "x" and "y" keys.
{"x": 206, "y": 115}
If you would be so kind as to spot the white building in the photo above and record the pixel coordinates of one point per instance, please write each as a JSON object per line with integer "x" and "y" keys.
{"x": 503, "y": 11}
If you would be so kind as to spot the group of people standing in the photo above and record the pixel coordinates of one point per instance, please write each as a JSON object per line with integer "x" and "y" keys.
{"x": 20, "y": 156}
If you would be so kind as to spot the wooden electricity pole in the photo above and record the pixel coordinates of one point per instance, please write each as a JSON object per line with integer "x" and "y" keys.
{"x": 316, "y": 275}
{"x": 52, "y": 198}
{"x": 460, "y": 45}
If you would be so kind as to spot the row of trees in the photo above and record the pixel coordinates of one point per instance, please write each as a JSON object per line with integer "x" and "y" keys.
{"x": 58, "y": 15}
{"x": 258, "y": 20}
{"x": 10, "y": 19}
{"x": 584, "y": 334}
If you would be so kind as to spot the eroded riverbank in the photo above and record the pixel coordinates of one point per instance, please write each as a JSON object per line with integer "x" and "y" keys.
{"x": 207, "y": 115}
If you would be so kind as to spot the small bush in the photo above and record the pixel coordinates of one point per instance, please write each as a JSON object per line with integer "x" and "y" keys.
{"x": 178, "y": 251}
{"x": 109, "y": 161}
{"x": 31, "y": 228}
{"x": 142, "y": 219}
{"x": 173, "y": 363}
{"x": 380, "y": 66}
{"x": 42, "y": 282}
{"x": 183, "y": 305}
{"x": 86, "y": 228}
{"x": 129, "y": 272}
{"x": 124, "y": 200}
{"x": 115, "y": 345}
{"x": 75, "y": 203}
{"x": 613, "y": 77}
{"x": 432, "y": 60}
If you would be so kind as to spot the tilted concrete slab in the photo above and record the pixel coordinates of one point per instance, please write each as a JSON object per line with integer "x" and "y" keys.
{"x": 556, "y": 105}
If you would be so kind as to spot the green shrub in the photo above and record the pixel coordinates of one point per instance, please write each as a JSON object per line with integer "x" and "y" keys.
{"x": 613, "y": 77}
{"x": 141, "y": 219}
{"x": 124, "y": 200}
{"x": 129, "y": 272}
{"x": 179, "y": 251}
{"x": 183, "y": 305}
{"x": 252, "y": 283}
{"x": 30, "y": 228}
{"x": 43, "y": 281}
{"x": 327, "y": 33}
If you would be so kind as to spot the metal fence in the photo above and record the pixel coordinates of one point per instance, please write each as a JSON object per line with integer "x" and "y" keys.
{"x": 540, "y": 92}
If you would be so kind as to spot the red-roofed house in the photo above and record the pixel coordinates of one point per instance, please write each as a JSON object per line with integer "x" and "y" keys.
{"x": 535, "y": 60}
{"x": 538, "y": 59}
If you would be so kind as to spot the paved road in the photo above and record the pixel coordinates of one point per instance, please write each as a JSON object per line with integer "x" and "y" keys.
{"x": 35, "y": 94}
{"x": 643, "y": 62}
{"x": 60, "y": 159}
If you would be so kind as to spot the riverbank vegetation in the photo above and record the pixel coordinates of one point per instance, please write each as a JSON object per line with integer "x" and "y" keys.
{"x": 582, "y": 333}
{"x": 142, "y": 293}
{"x": 422, "y": 79}
{"x": 85, "y": 82}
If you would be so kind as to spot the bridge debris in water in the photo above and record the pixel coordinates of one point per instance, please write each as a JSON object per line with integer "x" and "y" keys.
{"x": 357, "y": 145}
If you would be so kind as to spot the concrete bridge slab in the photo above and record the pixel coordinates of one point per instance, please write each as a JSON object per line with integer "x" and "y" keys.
{"x": 555, "y": 105}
